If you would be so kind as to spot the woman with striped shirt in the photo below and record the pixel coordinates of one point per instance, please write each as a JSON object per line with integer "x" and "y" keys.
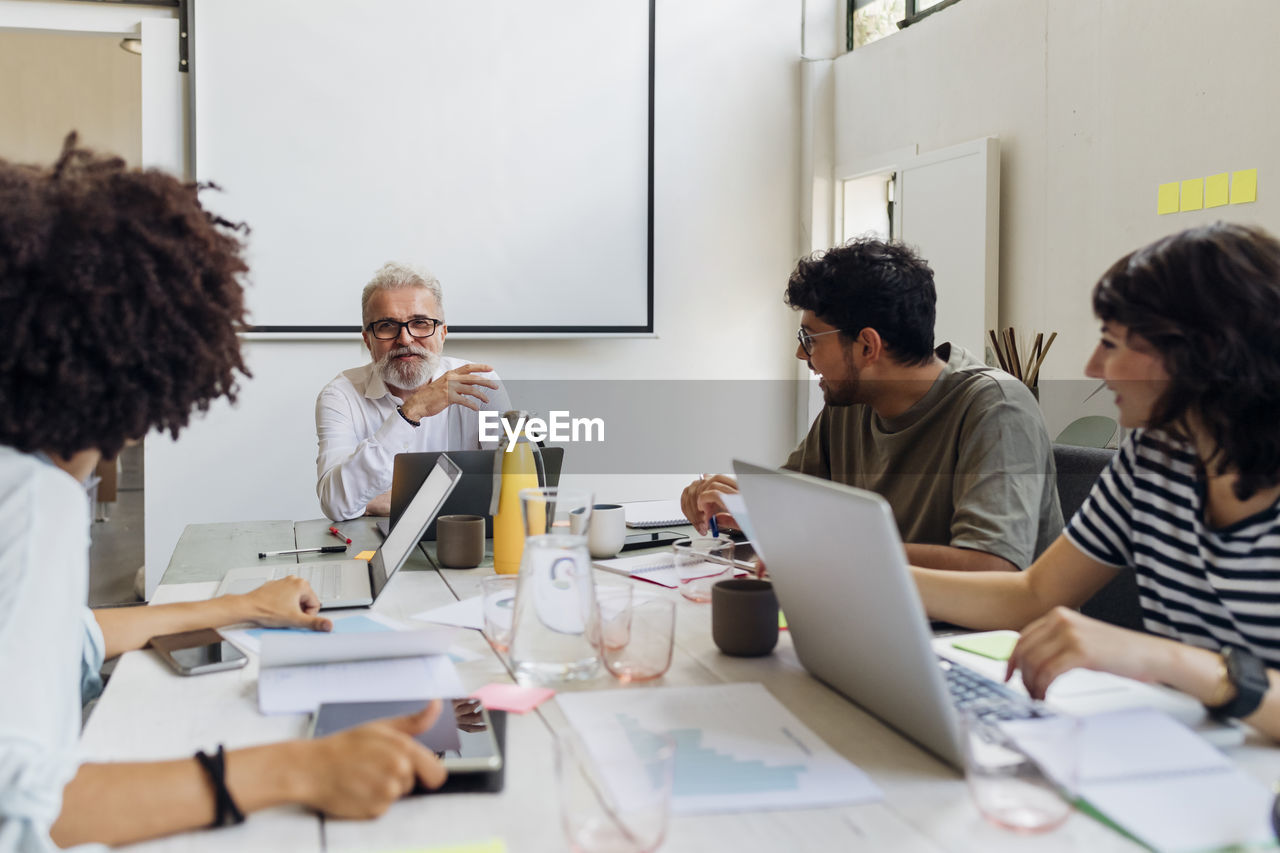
{"x": 1191, "y": 504}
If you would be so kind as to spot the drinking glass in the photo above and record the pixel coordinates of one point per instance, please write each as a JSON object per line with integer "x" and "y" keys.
{"x": 1011, "y": 789}
{"x": 555, "y": 635}
{"x": 499, "y": 600}
{"x": 645, "y": 651}
{"x": 701, "y": 562}
{"x": 615, "y": 799}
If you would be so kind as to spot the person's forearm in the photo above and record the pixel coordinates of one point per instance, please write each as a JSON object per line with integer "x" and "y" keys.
{"x": 127, "y": 628}
{"x": 1198, "y": 673}
{"x": 118, "y": 803}
{"x": 957, "y": 559}
{"x": 982, "y": 601}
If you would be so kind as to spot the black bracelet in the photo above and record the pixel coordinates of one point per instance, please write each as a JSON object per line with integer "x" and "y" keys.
{"x": 408, "y": 419}
{"x": 228, "y": 813}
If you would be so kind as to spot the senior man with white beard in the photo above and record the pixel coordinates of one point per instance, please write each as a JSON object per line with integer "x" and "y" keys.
{"x": 409, "y": 398}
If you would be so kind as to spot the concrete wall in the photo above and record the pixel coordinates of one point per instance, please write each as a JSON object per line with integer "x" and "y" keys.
{"x": 1095, "y": 103}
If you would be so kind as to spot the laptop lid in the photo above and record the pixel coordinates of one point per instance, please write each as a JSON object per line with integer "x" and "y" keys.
{"x": 840, "y": 573}
{"x": 404, "y": 535}
{"x": 475, "y": 489}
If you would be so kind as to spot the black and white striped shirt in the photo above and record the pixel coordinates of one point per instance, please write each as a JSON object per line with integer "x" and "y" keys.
{"x": 1205, "y": 587}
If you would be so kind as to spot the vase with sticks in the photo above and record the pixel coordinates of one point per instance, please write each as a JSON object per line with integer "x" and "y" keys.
{"x": 1005, "y": 345}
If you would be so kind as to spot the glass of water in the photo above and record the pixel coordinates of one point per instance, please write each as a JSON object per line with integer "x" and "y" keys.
{"x": 617, "y": 798}
{"x": 1017, "y": 771}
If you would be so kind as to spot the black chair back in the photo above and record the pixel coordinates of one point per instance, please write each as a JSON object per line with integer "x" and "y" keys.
{"x": 1078, "y": 469}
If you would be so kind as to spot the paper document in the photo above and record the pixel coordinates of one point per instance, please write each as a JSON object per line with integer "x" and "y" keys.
{"x": 291, "y": 648}
{"x": 302, "y": 689}
{"x": 737, "y": 748}
{"x": 1158, "y": 780}
{"x": 467, "y": 613}
{"x": 665, "y": 513}
{"x": 250, "y": 639}
{"x": 655, "y": 568}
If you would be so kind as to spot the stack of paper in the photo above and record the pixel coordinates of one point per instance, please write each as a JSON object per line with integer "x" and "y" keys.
{"x": 298, "y": 672}
{"x": 1155, "y": 779}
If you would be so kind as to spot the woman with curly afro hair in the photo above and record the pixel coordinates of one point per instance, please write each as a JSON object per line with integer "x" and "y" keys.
{"x": 1190, "y": 347}
{"x": 120, "y": 304}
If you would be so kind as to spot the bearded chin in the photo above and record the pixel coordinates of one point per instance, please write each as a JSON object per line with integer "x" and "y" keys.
{"x": 407, "y": 375}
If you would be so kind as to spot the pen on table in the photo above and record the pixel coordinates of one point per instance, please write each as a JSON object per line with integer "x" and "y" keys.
{"x": 325, "y": 549}
{"x": 336, "y": 532}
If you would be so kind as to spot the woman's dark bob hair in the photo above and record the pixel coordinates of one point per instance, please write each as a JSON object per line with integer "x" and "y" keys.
{"x": 1208, "y": 300}
{"x": 120, "y": 303}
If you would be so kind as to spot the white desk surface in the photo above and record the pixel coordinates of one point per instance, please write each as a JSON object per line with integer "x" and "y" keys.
{"x": 147, "y": 712}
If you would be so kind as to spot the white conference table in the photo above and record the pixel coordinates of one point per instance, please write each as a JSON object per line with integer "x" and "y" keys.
{"x": 148, "y": 712}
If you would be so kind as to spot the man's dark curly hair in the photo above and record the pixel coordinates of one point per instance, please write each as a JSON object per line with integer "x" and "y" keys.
{"x": 870, "y": 283}
{"x": 1208, "y": 300}
{"x": 120, "y": 301}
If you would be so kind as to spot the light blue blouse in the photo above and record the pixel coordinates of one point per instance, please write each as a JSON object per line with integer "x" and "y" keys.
{"x": 51, "y": 648}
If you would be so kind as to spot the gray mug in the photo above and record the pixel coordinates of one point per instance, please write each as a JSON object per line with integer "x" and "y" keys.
{"x": 460, "y": 541}
{"x": 744, "y": 617}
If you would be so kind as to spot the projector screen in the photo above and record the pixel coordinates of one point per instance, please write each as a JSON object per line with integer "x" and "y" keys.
{"x": 506, "y": 146}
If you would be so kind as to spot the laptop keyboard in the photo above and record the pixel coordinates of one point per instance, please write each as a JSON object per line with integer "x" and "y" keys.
{"x": 325, "y": 580}
{"x": 985, "y": 698}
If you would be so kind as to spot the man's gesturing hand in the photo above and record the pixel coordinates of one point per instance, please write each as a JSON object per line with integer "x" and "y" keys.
{"x": 458, "y": 387}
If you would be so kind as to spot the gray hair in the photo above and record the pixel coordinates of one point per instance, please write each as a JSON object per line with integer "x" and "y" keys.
{"x": 394, "y": 276}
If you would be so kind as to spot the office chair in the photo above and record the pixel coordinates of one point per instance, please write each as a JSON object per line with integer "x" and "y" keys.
{"x": 1078, "y": 469}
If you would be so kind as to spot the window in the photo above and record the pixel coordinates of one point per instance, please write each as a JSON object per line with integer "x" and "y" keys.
{"x": 870, "y": 20}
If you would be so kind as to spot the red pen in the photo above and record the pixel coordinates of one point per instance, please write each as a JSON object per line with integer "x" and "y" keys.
{"x": 336, "y": 532}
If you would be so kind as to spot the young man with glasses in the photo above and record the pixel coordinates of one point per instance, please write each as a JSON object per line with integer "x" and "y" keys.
{"x": 409, "y": 398}
{"x": 958, "y": 449}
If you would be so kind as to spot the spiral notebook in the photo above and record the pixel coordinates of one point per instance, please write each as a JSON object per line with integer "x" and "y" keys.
{"x": 642, "y": 514}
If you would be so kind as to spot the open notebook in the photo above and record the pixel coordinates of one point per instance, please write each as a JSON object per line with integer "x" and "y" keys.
{"x": 665, "y": 513}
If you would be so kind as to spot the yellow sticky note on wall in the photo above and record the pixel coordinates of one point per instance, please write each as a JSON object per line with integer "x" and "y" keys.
{"x": 1244, "y": 186}
{"x": 1192, "y": 194}
{"x": 1167, "y": 200}
{"x": 1216, "y": 188}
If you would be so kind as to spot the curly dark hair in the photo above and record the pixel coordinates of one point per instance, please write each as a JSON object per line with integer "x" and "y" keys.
{"x": 120, "y": 301}
{"x": 1208, "y": 300}
{"x": 870, "y": 283}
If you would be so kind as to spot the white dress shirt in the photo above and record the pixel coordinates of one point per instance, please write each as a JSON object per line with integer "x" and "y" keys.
{"x": 360, "y": 432}
{"x": 50, "y": 645}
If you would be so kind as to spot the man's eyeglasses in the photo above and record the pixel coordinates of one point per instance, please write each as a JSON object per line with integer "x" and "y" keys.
{"x": 805, "y": 339}
{"x": 389, "y": 330}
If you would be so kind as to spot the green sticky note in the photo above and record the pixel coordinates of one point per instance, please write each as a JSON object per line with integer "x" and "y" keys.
{"x": 1244, "y": 186}
{"x": 1216, "y": 189}
{"x": 1167, "y": 199}
{"x": 1192, "y": 194}
{"x": 782, "y": 621}
{"x": 996, "y": 646}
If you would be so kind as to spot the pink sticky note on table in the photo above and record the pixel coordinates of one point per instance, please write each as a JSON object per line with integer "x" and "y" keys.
{"x": 512, "y": 697}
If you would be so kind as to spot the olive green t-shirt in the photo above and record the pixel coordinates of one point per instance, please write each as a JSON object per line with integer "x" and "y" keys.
{"x": 969, "y": 465}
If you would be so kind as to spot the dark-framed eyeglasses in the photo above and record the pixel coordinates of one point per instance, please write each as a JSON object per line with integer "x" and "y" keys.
{"x": 805, "y": 339}
{"x": 389, "y": 330}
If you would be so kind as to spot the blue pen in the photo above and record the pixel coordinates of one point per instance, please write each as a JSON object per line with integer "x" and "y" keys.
{"x": 715, "y": 530}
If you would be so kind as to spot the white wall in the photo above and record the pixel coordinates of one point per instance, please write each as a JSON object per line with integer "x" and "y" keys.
{"x": 1095, "y": 103}
{"x": 726, "y": 223}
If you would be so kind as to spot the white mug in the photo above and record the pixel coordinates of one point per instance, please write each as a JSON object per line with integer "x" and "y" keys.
{"x": 607, "y": 532}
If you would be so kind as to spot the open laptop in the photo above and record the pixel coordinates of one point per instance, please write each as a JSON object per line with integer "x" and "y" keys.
{"x": 356, "y": 583}
{"x": 841, "y": 576}
{"x": 475, "y": 488}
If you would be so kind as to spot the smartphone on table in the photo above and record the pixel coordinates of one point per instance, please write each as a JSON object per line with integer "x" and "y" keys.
{"x": 198, "y": 652}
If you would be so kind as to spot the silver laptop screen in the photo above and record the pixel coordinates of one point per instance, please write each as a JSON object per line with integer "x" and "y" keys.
{"x": 409, "y": 528}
